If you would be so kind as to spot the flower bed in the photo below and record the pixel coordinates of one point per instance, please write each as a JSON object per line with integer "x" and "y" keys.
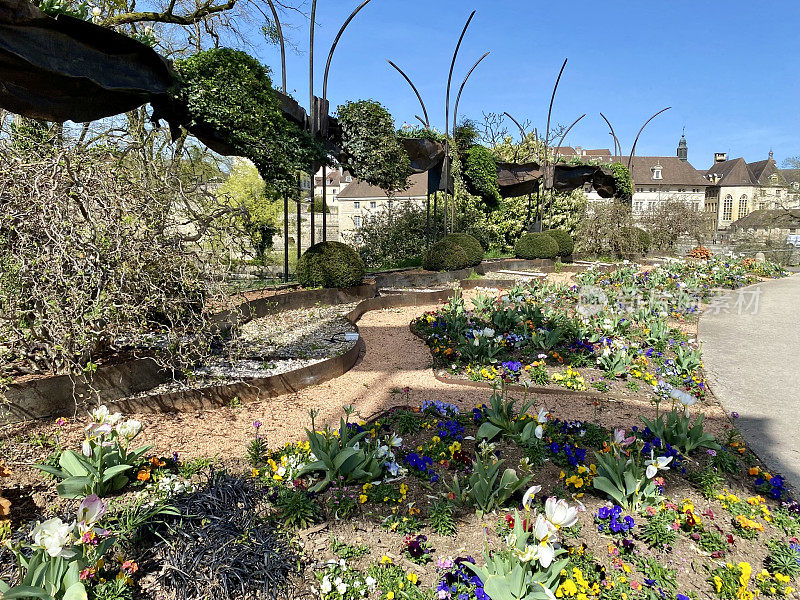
{"x": 625, "y": 333}
{"x": 426, "y": 502}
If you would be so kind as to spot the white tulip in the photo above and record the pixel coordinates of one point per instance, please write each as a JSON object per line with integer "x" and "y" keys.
{"x": 86, "y": 449}
{"x": 52, "y": 536}
{"x": 527, "y": 499}
{"x": 129, "y": 429}
{"x": 559, "y": 513}
{"x": 654, "y": 465}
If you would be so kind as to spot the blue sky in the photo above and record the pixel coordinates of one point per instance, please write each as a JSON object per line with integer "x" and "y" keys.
{"x": 729, "y": 70}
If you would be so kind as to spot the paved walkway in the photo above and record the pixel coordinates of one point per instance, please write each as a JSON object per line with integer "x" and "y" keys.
{"x": 751, "y": 354}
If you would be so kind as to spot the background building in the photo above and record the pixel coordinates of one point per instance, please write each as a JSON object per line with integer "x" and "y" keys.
{"x": 738, "y": 188}
{"x": 360, "y": 198}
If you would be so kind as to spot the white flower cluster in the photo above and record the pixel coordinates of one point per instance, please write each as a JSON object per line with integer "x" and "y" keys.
{"x": 558, "y": 514}
{"x": 105, "y": 425}
{"x": 58, "y": 539}
{"x": 343, "y": 582}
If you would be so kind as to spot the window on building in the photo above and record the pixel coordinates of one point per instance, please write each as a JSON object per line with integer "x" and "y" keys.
{"x": 356, "y": 204}
{"x": 357, "y": 221}
{"x": 777, "y": 193}
{"x": 652, "y": 189}
{"x": 657, "y": 172}
{"x": 727, "y": 208}
{"x": 743, "y": 205}
{"x": 373, "y": 205}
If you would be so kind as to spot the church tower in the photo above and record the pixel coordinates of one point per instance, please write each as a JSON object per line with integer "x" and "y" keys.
{"x": 683, "y": 150}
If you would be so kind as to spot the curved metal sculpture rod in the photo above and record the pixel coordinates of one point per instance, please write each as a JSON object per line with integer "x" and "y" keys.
{"x": 633, "y": 148}
{"x": 311, "y": 111}
{"x": 421, "y": 120}
{"x": 450, "y": 76}
{"x": 461, "y": 89}
{"x": 283, "y": 44}
{"x": 563, "y": 137}
{"x": 521, "y": 129}
{"x": 550, "y": 110}
{"x": 426, "y": 122}
{"x": 333, "y": 47}
{"x": 617, "y": 145}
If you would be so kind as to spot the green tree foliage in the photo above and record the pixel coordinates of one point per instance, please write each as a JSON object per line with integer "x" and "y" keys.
{"x": 261, "y": 212}
{"x": 480, "y": 172}
{"x": 394, "y": 237}
{"x": 372, "y": 151}
{"x": 231, "y": 93}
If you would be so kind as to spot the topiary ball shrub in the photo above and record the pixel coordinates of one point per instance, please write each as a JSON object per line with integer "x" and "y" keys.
{"x": 536, "y": 245}
{"x": 564, "y": 240}
{"x": 641, "y": 237}
{"x": 445, "y": 255}
{"x": 330, "y": 265}
{"x": 471, "y": 246}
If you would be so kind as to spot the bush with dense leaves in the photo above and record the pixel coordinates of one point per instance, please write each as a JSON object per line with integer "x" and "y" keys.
{"x": 564, "y": 240}
{"x": 480, "y": 174}
{"x": 471, "y": 246}
{"x": 536, "y": 245}
{"x": 330, "y": 265}
{"x": 230, "y": 93}
{"x": 370, "y": 148}
{"x": 445, "y": 255}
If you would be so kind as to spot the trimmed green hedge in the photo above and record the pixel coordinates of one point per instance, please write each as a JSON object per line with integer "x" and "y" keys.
{"x": 330, "y": 265}
{"x": 445, "y": 255}
{"x": 471, "y": 246}
{"x": 536, "y": 245}
{"x": 642, "y": 237}
{"x": 564, "y": 240}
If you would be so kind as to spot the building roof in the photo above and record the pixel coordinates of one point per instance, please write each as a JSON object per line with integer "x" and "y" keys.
{"x": 674, "y": 171}
{"x": 569, "y": 151}
{"x": 769, "y": 219}
{"x": 737, "y": 172}
{"x": 790, "y": 175}
{"x": 334, "y": 177}
{"x": 361, "y": 190}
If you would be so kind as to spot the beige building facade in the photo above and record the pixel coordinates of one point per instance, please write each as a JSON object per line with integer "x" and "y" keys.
{"x": 738, "y": 188}
{"x": 360, "y": 199}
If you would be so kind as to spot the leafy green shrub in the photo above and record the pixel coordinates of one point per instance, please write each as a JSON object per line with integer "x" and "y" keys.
{"x": 536, "y": 245}
{"x": 371, "y": 150}
{"x": 330, "y": 265}
{"x": 445, "y": 255}
{"x": 472, "y": 247}
{"x": 296, "y": 508}
{"x": 480, "y": 173}
{"x": 564, "y": 240}
{"x": 230, "y": 93}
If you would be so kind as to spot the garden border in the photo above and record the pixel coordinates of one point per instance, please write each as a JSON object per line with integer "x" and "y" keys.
{"x": 60, "y": 395}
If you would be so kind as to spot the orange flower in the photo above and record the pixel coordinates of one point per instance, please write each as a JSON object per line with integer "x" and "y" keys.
{"x": 753, "y": 471}
{"x": 156, "y": 462}
{"x": 143, "y": 475}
